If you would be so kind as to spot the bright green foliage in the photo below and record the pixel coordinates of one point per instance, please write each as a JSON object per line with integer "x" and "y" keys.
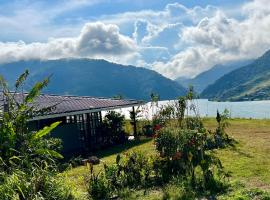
{"x": 130, "y": 171}
{"x": 113, "y": 127}
{"x": 99, "y": 186}
{"x": 184, "y": 152}
{"x": 19, "y": 146}
{"x": 28, "y": 158}
{"x": 39, "y": 184}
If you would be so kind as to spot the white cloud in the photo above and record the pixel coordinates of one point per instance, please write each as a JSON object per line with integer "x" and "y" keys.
{"x": 187, "y": 62}
{"x": 101, "y": 39}
{"x": 96, "y": 40}
{"x": 220, "y": 39}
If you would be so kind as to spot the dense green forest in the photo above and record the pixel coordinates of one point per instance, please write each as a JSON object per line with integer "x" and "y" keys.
{"x": 99, "y": 78}
{"x": 250, "y": 82}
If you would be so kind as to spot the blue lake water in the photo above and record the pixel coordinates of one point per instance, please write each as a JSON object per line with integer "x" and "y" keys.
{"x": 244, "y": 109}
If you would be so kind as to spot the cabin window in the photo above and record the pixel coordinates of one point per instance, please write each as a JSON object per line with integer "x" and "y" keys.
{"x": 68, "y": 119}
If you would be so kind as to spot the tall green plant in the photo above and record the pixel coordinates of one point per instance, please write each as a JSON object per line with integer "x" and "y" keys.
{"x": 18, "y": 145}
{"x": 27, "y": 158}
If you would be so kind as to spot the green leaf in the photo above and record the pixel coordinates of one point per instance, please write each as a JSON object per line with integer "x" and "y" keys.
{"x": 20, "y": 190}
{"x": 45, "y": 131}
{"x": 14, "y": 158}
{"x": 35, "y": 91}
{"x": 21, "y": 79}
{"x": 49, "y": 152}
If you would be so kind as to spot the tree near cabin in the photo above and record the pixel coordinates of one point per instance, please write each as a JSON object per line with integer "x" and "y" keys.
{"x": 28, "y": 159}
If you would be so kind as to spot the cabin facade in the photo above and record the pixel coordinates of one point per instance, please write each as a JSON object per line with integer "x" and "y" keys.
{"x": 80, "y": 117}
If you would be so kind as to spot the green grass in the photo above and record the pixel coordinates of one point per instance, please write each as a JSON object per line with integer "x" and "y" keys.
{"x": 248, "y": 161}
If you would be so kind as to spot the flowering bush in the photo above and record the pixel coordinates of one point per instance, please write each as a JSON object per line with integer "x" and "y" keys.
{"x": 182, "y": 151}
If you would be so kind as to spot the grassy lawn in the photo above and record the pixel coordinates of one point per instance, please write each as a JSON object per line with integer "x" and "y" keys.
{"x": 248, "y": 162}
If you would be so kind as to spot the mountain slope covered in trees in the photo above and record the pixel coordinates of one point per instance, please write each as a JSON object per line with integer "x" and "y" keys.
{"x": 251, "y": 82}
{"x": 201, "y": 81}
{"x": 94, "y": 78}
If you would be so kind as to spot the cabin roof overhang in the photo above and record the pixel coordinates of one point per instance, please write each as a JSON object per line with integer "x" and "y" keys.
{"x": 66, "y": 105}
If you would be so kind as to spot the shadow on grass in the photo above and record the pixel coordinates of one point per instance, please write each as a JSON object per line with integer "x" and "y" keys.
{"x": 122, "y": 147}
{"x": 237, "y": 149}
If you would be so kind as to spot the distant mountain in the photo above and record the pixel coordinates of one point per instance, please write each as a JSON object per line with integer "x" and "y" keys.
{"x": 201, "y": 81}
{"x": 94, "y": 78}
{"x": 251, "y": 82}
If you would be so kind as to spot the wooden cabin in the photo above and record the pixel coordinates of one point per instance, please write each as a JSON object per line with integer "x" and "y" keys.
{"x": 81, "y": 117}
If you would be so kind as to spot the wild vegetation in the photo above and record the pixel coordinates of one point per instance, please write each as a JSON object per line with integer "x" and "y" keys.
{"x": 186, "y": 158}
{"x": 247, "y": 163}
{"x": 184, "y": 154}
{"x": 28, "y": 159}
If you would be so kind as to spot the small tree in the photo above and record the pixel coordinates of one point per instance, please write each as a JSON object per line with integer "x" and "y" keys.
{"x": 27, "y": 158}
{"x": 113, "y": 126}
{"x": 18, "y": 145}
{"x": 134, "y": 114}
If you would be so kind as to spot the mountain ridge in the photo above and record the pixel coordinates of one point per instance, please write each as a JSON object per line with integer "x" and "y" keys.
{"x": 250, "y": 82}
{"x": 91, "y": 77}
{"x": 208, "y": 77}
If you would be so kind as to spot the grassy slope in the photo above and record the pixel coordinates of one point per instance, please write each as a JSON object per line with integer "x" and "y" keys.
{"x": 249, "y": 161}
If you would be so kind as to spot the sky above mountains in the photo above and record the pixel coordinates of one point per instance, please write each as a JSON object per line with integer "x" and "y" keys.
{"x": 175, "y": 38}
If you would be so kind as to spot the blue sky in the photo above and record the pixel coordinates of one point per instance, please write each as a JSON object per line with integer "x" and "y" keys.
{"x": 175, "y": 38}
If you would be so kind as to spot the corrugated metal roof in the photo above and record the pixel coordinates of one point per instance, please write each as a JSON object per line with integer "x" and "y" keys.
{"x": 67, "y": 105}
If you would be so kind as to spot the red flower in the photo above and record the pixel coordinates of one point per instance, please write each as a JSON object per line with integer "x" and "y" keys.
{"x": 157, "y": 127}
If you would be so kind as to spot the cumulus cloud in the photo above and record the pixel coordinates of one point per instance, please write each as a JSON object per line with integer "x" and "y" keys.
{"x": 220, "y": 39}
{"x": 101, "y": 39}
{"x": 96, "y": 40}
{"x": 187, "y": 62}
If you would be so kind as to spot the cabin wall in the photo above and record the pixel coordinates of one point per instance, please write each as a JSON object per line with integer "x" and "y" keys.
{"x": 79, "y": 133}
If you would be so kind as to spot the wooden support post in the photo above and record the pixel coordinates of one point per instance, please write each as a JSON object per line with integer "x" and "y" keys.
{"x": 134, "y": 122}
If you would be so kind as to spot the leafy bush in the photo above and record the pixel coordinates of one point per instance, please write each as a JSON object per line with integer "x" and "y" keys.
{"x": 112, "y": 128}
{"x": 183, "y": 151}
{"x": 184, "y": 154}
{"x": 219, "y": 138}
{"x": 99, "y": 187}
{"x": 28, "y": 159}
{"x": 40, "y": 184}
{"x": 19, "y": 146}
{"x": 130, "y": 171}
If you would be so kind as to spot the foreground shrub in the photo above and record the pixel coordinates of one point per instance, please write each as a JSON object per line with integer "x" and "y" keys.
{"x": 184, "y": 154}
{"x": 39, "y": 185}
{"x": 130, "y": 171}
{"x": 184, "y": 151}
{"x": 99, "y": 186}
{"x": 28, "y": 159}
